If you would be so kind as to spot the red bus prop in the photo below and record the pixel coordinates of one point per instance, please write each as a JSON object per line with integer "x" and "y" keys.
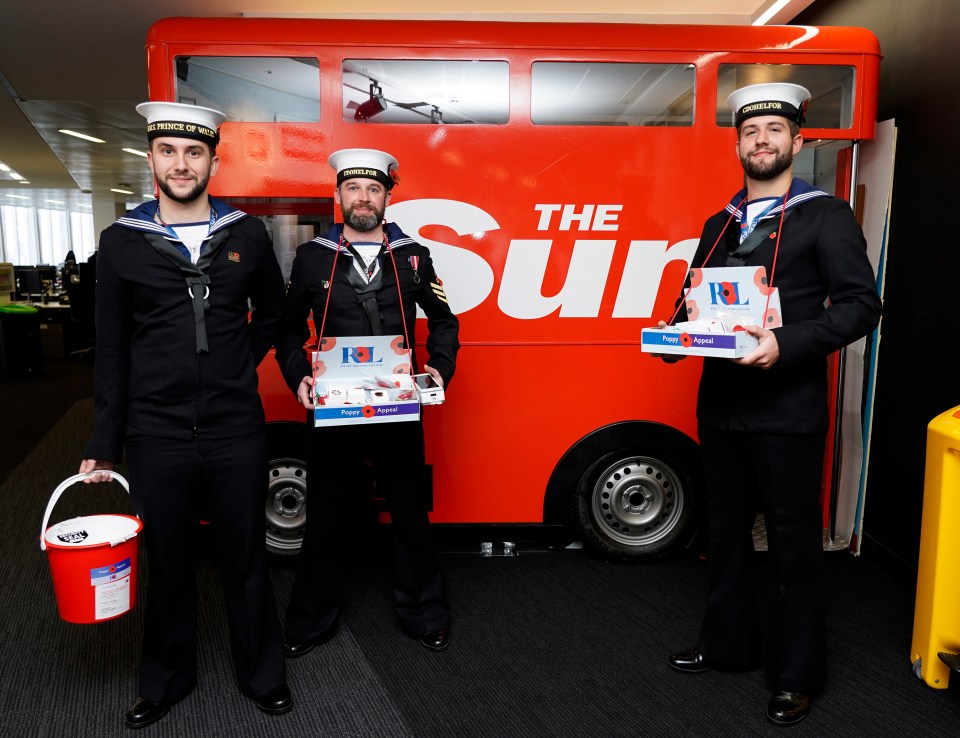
{"x": 560, "y": 174}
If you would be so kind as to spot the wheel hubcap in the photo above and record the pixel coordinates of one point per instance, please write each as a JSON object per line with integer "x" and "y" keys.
{"x": 637, "y": 501}
{"x": 286, "y": 505}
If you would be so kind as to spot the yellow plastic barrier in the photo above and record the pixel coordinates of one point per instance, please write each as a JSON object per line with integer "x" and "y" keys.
{"x": 936, "y": 622}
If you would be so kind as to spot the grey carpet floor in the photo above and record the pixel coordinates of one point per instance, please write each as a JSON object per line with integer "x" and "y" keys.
{"x": 544, "y": 644}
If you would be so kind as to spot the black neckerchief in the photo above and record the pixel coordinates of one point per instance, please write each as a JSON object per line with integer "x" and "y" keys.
{"x": 195, "y": 276}
{"x": 367, "y": 291}
{"x": 737, "y": 256}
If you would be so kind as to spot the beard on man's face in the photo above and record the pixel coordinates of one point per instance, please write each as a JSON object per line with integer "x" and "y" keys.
{"x": 763, "y": 171}
{"x": 197, "y": 190}
{"x": 364, "y": 223}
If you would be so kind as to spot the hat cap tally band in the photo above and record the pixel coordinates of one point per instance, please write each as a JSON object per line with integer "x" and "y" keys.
{"x": 774, "y": 98}
{"x": 179, "y": 120}
{"x": 366, "y": 164}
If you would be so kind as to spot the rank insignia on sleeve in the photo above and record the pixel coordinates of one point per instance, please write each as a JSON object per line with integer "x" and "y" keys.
{"x": 233, "y": 256}
{"x": 437, "y": 288}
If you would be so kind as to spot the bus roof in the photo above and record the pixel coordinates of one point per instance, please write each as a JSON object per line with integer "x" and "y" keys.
{"x": 532, "y": 35}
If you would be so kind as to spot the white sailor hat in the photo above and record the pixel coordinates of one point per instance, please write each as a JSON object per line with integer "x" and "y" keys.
{"x": 179, "y": 120}
{"x": 772, "y": 98}
{"x": 367, "y": 163}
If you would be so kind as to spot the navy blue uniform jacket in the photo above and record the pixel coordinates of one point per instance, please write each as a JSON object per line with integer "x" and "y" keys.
{"x": 149, "y": 378}
{"x": 312, "y": 278}
{"x": 822, "y": 254}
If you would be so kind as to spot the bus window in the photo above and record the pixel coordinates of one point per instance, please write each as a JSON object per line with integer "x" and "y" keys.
{"x": 426, "y": 91}
{"x": 289, "y": 222}
{"x": 252, "y": 88}
{"x": 831, "y": 89}
{"x": 610, "y": 94}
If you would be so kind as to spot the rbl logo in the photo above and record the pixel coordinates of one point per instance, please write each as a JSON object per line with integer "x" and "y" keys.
{"x": 76, "y": 536}
{"x": 726, "y": 293}
{"x": 358, "y": 355}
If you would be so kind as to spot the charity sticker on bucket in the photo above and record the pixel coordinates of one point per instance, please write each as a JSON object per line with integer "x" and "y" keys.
{"x": 93, "y": 559}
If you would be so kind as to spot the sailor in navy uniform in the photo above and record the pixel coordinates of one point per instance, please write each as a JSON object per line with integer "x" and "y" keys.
{"x": 176, "y": 384}
{"x": 763, "y": 418}
{"x": 366, "y": 277}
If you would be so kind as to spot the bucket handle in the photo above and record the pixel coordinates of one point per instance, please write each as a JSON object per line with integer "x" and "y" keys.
{"x": 69, "y": 482}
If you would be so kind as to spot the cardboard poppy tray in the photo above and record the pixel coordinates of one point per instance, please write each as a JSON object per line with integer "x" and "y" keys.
{"x": 732, "y": 296}
{"x": 730, "y": 345}
{"x": 366, "y": 379}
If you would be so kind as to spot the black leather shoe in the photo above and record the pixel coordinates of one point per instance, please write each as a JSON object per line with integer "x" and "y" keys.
{"x": 293, "y": 650}
{"x": 788, "y": 708}
{"x": 143, "y": 712}
{"x": 275, "y": 702}
{"x": 436, "y": 640}
{"x": 690, "y": 661}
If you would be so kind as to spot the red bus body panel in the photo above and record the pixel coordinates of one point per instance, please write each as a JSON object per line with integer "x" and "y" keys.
{"x": 527, "y": 388}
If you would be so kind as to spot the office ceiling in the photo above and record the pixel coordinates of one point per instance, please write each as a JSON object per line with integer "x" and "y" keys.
{"x": 80, "y": 65}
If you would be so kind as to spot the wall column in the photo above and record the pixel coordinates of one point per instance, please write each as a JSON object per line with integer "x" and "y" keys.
{"x": 105, "y": 211}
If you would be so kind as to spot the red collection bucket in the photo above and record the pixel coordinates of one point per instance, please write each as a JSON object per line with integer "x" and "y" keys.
{"x": 93, "y": 560}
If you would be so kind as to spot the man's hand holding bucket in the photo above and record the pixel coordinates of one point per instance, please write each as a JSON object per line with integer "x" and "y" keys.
{"x": 88, "y": 466}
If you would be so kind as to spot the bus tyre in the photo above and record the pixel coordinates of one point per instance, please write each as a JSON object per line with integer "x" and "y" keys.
{"x": 286, "y": 501}
{"x": 634, "y": 507}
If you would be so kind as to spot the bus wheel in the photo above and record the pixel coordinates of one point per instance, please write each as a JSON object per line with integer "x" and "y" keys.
{"x": 634, "y": 507}
{"x": 286, "y": 501}
{"x": 286, "y": 506}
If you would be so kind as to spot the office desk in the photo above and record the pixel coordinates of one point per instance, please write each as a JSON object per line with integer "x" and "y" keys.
{"x": 59, "y": 336}
{"x": 20, "y": 355}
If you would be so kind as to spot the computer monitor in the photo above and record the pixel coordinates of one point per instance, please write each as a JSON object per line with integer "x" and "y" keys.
{"x": 35, "y": 280}
{"x": 8, "y": 283}
{"x": 29, "y": 282}
{"x": 48, "y": 276}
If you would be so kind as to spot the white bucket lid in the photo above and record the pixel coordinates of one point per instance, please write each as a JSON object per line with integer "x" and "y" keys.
{"x": 92, "y": 530}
